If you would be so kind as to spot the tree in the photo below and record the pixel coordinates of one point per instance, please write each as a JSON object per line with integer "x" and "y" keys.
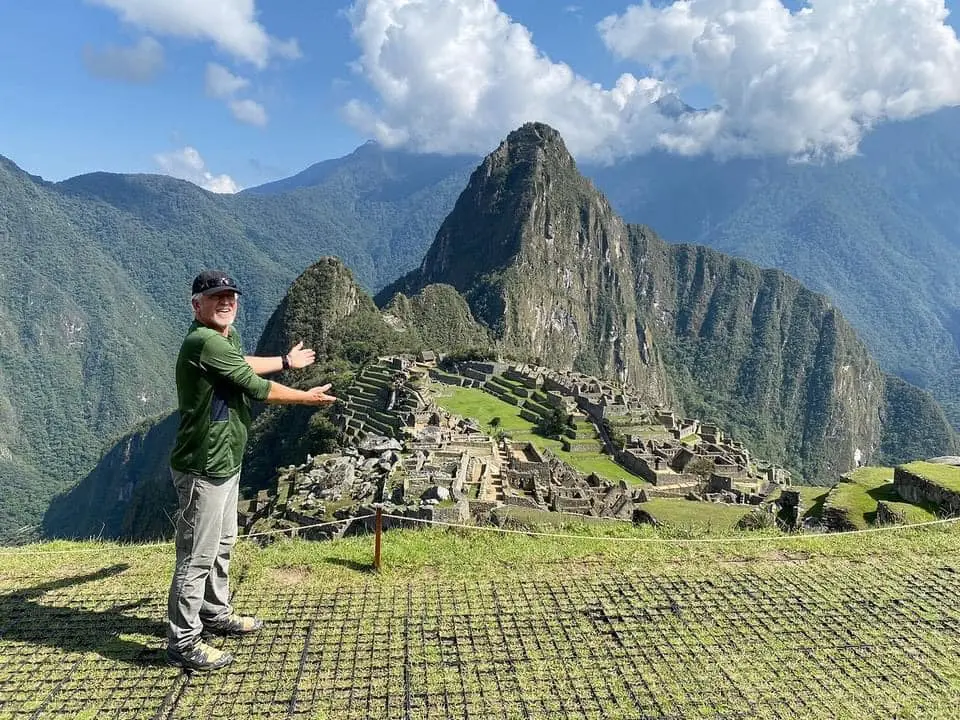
{"x": 553, "y": 424}
{"x": 701, "y": 467}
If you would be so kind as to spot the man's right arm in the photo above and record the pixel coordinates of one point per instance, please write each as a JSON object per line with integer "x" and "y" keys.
{"x": 225, "y": 361}
{"x": 283, "y": 395}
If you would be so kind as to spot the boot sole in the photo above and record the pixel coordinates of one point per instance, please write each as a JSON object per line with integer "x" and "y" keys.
{"x": 198, "y": 668}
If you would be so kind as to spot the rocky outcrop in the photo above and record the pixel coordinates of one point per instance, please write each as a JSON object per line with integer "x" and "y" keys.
{"x": 888, "y": 515}
{"x": 543, "y": 261}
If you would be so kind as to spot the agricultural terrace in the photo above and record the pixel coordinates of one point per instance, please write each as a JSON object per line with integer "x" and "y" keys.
{"x": 472, "y": 624}
{"x": 485, "y": 408}
{"x": 854, "y": 499}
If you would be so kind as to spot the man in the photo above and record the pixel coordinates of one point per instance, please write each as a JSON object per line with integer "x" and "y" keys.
{"x": 215, "y": 383}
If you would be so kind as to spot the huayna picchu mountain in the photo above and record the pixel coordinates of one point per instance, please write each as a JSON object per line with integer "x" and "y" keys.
{"x": 558, "y": 277}
{"x": 544, "y": 262}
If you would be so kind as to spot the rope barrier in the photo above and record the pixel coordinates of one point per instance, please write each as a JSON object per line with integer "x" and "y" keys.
{"x": 308, "y": 527}
{"x": 150, "y": 546}
{"x": 674, "y": 541}
{"x": 528, "y": 533}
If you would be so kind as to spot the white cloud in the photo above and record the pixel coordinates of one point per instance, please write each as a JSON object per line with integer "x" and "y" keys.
{"x": 458, "y": 75}
{"x": 808, "y": 83}
{"x": 230, "y": 24}
{"x": 187, "y": 164}
{"x": 138, "y": 64}
{"x": 221, "y": 83}
{"x": 224, "y": 85}
{"x": 249, "y": 112}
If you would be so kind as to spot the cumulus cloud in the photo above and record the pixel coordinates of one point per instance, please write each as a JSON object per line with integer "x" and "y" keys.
{"x": 187, "y": 164}
{"x": 230, "y": 24}
{"x": 457, "y": 75}
{"x": 249, "y": 111}
{"x": 140, "y": 63}
{"x": 221, "y": 83}
{"x": 804, "y": 83}
{"x": 224, "y": 85}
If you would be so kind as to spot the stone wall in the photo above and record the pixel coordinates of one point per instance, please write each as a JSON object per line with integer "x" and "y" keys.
{"x": 920, "y": 491}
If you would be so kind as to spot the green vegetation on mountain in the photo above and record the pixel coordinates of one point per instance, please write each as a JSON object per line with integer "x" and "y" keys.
{"x": 436, "y": 317}
{"x": 877, "y": 234}
{"x": 914, "y": 425}
{"x": 772, "y": 362}
{"x": 94, "y": 293}
{"x": 79, "y": 360}
{"x": 128, "y": 494}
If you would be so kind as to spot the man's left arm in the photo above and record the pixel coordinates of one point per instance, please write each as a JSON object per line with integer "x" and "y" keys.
{"x": 298, "y": 357}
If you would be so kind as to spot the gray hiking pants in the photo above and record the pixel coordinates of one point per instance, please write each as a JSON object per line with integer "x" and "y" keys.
{"x": 206, "y": 533}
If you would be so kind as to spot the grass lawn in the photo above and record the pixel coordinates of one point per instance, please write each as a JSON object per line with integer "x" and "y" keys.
{"x": 689, "y": 515}
{"x": 484, "y": 625}
{"x": 483, "y": 407}
{"x": 858, "y": 497}
{"x": 870, "y": 485}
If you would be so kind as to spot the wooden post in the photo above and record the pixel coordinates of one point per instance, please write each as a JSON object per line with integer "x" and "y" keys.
{"x": 378, "y": 525}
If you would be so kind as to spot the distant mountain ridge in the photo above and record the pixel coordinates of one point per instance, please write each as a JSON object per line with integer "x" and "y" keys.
{"x": 879, "y": 234}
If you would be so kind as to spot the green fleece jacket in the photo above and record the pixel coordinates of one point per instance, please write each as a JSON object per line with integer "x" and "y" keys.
{"x": 214, "y": 388}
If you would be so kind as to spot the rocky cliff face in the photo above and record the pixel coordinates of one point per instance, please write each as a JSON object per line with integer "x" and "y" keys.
{"x": 754, "y": 349}
{"x": 543, "y": 261}
{"x": 558, "y": 277}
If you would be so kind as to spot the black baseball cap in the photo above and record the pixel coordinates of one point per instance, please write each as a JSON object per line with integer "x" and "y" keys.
{"x": 214, "y": 281}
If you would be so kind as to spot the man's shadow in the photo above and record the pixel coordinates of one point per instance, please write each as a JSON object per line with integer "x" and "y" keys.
{"x": 25, "y": 618}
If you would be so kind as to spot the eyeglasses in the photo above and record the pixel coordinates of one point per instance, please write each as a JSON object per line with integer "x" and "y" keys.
{"x": 224, "y": 282}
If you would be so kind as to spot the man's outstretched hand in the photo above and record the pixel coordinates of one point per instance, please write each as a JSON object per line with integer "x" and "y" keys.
{"x": 319, "y": 395}
{"x": 300, "y": 356}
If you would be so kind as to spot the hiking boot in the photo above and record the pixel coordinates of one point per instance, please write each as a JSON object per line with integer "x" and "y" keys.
{"x": 200, "y": 657}
{"x": 235, "y": 625}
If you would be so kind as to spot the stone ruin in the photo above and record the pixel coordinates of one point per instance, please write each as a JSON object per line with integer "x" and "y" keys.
{"x": 404, "y": 451}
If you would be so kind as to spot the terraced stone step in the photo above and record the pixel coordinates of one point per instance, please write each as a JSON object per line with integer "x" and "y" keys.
{"x": 379, "y": 372}
{"x": 541, "y": 410}
{"x": 590, "y": 446}
{"x": 588, "y": 432}
{"x": 380, "y": 427}
{"x": 472, "y": 374}
{"x": 367, "y": 393}
{"x": 446, "y": 378}
{"x": 499, "y": 383}
{"x": 505, "y": 396}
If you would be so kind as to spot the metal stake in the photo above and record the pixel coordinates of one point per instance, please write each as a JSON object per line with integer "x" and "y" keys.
{"x": 378, "y": 525}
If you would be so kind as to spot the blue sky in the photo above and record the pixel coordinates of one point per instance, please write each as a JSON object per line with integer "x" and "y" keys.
{"x": 73, "y": 104}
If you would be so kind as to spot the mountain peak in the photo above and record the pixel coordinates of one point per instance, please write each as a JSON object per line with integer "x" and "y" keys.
{"x": 533, "y": 142}
{"x": 536, "y": 133}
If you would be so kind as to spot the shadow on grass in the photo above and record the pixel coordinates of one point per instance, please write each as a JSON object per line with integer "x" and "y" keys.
{"x": 816, "y": 510}
{"x": 25, "y": 618}
{"x": 350, "y": 564}
{"x": 888, "y": 493}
